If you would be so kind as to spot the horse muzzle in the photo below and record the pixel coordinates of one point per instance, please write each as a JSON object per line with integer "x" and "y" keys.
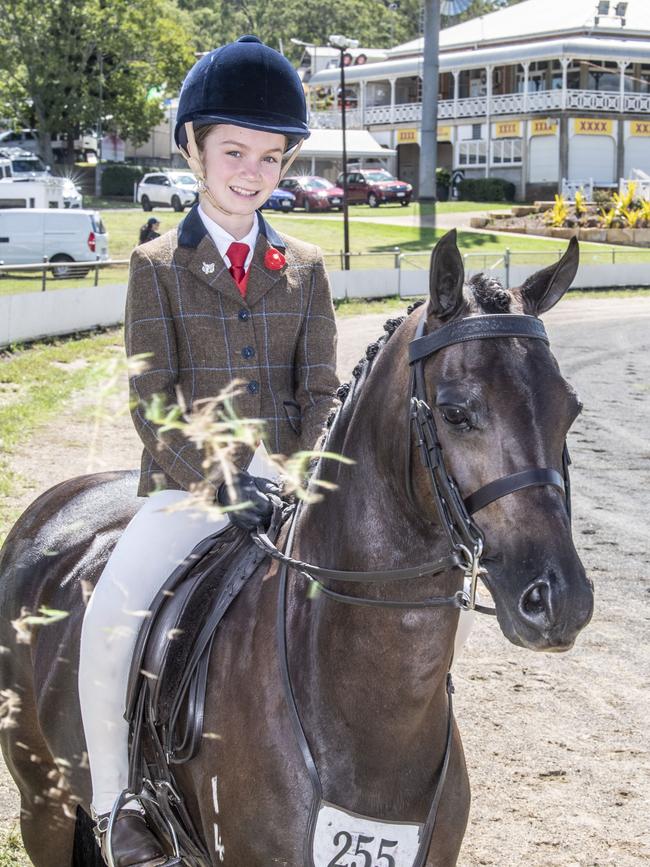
{"x": 549, "y": 612}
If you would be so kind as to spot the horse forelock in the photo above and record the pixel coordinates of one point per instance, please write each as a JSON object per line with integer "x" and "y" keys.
{"x": 488, "y": 295}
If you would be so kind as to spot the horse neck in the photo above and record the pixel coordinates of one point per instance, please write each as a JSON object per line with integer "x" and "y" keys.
{"x": 385, "y": 668}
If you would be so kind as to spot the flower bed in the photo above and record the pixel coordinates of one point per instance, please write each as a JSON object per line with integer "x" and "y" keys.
{"x": 619, "y": 219}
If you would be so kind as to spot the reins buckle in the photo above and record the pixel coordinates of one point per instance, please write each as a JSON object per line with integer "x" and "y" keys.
{"x": 472, "y": 569}
{"x": 420, "y": 410}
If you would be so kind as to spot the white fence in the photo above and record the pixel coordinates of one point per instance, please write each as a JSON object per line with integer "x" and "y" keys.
{"x": 641, "y": 187}
{"x": 570, "y": 188}
{"x": 33, "y": 315}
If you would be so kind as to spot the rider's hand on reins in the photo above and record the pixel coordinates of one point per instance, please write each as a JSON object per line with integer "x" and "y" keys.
{"x": 256, "y": 492}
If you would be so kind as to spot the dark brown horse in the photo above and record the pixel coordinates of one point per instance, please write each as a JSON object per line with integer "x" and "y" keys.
{"x": 369, "y": 682}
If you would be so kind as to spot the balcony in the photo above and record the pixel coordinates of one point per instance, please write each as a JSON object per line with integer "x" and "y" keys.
{"x": 541, "y": 101}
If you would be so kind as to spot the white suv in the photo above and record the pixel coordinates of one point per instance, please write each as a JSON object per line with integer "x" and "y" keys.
{"x": 177, "y": 189}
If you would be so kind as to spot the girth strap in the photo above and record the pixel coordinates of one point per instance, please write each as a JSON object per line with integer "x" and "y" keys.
{"x": 509, "y": 484}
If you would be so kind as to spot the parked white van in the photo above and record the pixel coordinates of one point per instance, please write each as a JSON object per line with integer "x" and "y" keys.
{"x": 63, "y": 236}
{"x": 39, "y": 193}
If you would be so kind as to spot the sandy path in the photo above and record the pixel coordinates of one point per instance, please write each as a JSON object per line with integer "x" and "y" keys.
{"x": 556, "y": 745}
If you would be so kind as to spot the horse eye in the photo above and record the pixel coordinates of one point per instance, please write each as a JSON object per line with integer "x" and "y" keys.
{"x": 456, "y": 416}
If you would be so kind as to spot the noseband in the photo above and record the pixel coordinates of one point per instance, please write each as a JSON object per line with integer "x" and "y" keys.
{"x": 454, "y": 513}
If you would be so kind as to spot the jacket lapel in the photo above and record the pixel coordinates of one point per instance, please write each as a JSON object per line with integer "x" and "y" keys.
{"x": 203, "y": 260}
{"x": 262, "y": 278}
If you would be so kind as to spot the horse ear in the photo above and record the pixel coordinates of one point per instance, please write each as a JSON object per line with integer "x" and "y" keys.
{"x": 446, "y": 277}
{"x": 545, "y": 288}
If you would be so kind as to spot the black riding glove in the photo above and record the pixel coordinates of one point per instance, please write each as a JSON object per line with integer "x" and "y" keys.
{"x": 253, "y": 490}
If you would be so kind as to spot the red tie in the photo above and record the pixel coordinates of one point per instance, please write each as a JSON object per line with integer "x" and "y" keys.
{"x": 237, "y": 254}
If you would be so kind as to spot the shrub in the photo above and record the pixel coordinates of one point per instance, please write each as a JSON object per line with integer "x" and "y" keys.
{"x": 559, "y": 213}
{"x": 645, "y": 212}
{"x": 602, "y": 198}
{"x": 486, "y": 190}
{"x": 118, "y": 179}
{"x": 632, "y": 217}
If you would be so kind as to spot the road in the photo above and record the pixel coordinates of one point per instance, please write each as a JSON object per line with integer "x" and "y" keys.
{"x": 556, "y": 745}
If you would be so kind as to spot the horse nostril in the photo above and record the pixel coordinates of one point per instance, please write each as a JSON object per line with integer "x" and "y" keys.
{"x": 534, "y": 601}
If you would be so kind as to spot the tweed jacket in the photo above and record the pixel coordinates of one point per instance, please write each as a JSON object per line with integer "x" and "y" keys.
{"x": 185, "y": 311}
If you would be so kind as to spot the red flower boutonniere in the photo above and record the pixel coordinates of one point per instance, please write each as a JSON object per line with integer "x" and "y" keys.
{"x": 274, "y": 260}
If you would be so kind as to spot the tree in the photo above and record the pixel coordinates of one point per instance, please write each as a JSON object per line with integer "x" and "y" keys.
{"x": 478, "y": 8}
{"x": 72, "y": 61}
{"x": 373, "y": 22}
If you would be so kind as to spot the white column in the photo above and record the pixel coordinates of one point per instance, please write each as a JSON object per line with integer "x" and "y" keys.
{"x": 565, "y": 61}
{"x": 456, "y": 74}
{"x": 622, "y": 66}
{"x": 488, "y": 103}
{"x": 526, "y": 66}
{"x": 392, "y": 100}
{"x": 362, "y": 103}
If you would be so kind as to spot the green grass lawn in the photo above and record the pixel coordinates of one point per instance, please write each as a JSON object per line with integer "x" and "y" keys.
{"x": 12, "y": 853}
{"x": 375, "y": 241}
{"x": 412, "y": 210}
{"x": 35, "y": 382}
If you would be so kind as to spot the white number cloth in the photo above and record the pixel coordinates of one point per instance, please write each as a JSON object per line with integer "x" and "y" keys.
{"x": 343, "y": 839}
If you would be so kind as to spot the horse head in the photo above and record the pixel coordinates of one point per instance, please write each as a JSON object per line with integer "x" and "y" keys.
{"x": 501, "y": 406}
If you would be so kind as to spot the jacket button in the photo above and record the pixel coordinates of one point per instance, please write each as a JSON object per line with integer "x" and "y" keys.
{"x": 248, "y": 352}
{"x": 253, "y": 386}
{"x": 244, "y": 315}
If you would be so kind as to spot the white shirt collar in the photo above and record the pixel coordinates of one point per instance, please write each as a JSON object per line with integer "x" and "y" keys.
{"x": 223, "y": 239}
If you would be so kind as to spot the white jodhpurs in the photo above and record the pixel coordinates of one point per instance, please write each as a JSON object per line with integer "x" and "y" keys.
{"x": 152, "y": 545}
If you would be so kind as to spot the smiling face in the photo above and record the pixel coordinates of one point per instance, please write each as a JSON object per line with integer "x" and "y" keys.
{"x": 242, "y": 168}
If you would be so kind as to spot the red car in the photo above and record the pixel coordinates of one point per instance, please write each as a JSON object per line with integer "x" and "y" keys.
{"x": 376, "y": 187}
{"x": 314, "y": 194}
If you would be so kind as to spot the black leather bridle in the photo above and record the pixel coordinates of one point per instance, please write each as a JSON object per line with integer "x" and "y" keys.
{"x": 454, "y": 513}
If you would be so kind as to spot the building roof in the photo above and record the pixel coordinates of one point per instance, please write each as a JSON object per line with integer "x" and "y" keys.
{"x": 326, "y": 143}
{"x": 532, "y": 19}
{"x": 584, "y": 47}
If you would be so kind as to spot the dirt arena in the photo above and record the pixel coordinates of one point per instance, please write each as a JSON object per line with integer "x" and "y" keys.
{"x": 556, "y": 745}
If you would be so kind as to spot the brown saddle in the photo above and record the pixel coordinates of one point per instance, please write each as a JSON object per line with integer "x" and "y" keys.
{"x": 168, "y": 678}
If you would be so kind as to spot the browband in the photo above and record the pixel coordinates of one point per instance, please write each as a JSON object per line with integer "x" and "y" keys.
{"x": 477, "y": 328}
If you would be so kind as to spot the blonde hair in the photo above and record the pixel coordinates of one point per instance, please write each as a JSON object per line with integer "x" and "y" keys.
{"x": 201, "y": 134}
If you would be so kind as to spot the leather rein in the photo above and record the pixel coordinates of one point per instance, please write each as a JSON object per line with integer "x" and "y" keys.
{"x": 454, "y": 512}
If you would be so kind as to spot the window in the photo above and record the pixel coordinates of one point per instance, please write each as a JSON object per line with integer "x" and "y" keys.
{"x": 408, "y": 90}
{"x": 506, "y": 151}
{"x": 476, "y": 131}
{"x": 603, "y": 75}
{"x": 377, "y": 93}
{"x": 644, "y": 78}
{"x": 472, "y": 153}
{"x": 28, "y": 164}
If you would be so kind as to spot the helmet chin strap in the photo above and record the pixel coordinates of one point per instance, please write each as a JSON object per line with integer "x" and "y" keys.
{"x": 194, "y": 161}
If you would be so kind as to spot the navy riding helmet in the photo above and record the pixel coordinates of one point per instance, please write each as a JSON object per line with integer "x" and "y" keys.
{"x": 245, "y": 83}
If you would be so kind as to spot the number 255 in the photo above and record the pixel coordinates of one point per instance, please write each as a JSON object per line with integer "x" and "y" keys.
{"x": 384, "y": 859}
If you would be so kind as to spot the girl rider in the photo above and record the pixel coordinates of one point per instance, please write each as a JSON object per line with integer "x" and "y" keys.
{"x": 221, "y": 297}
